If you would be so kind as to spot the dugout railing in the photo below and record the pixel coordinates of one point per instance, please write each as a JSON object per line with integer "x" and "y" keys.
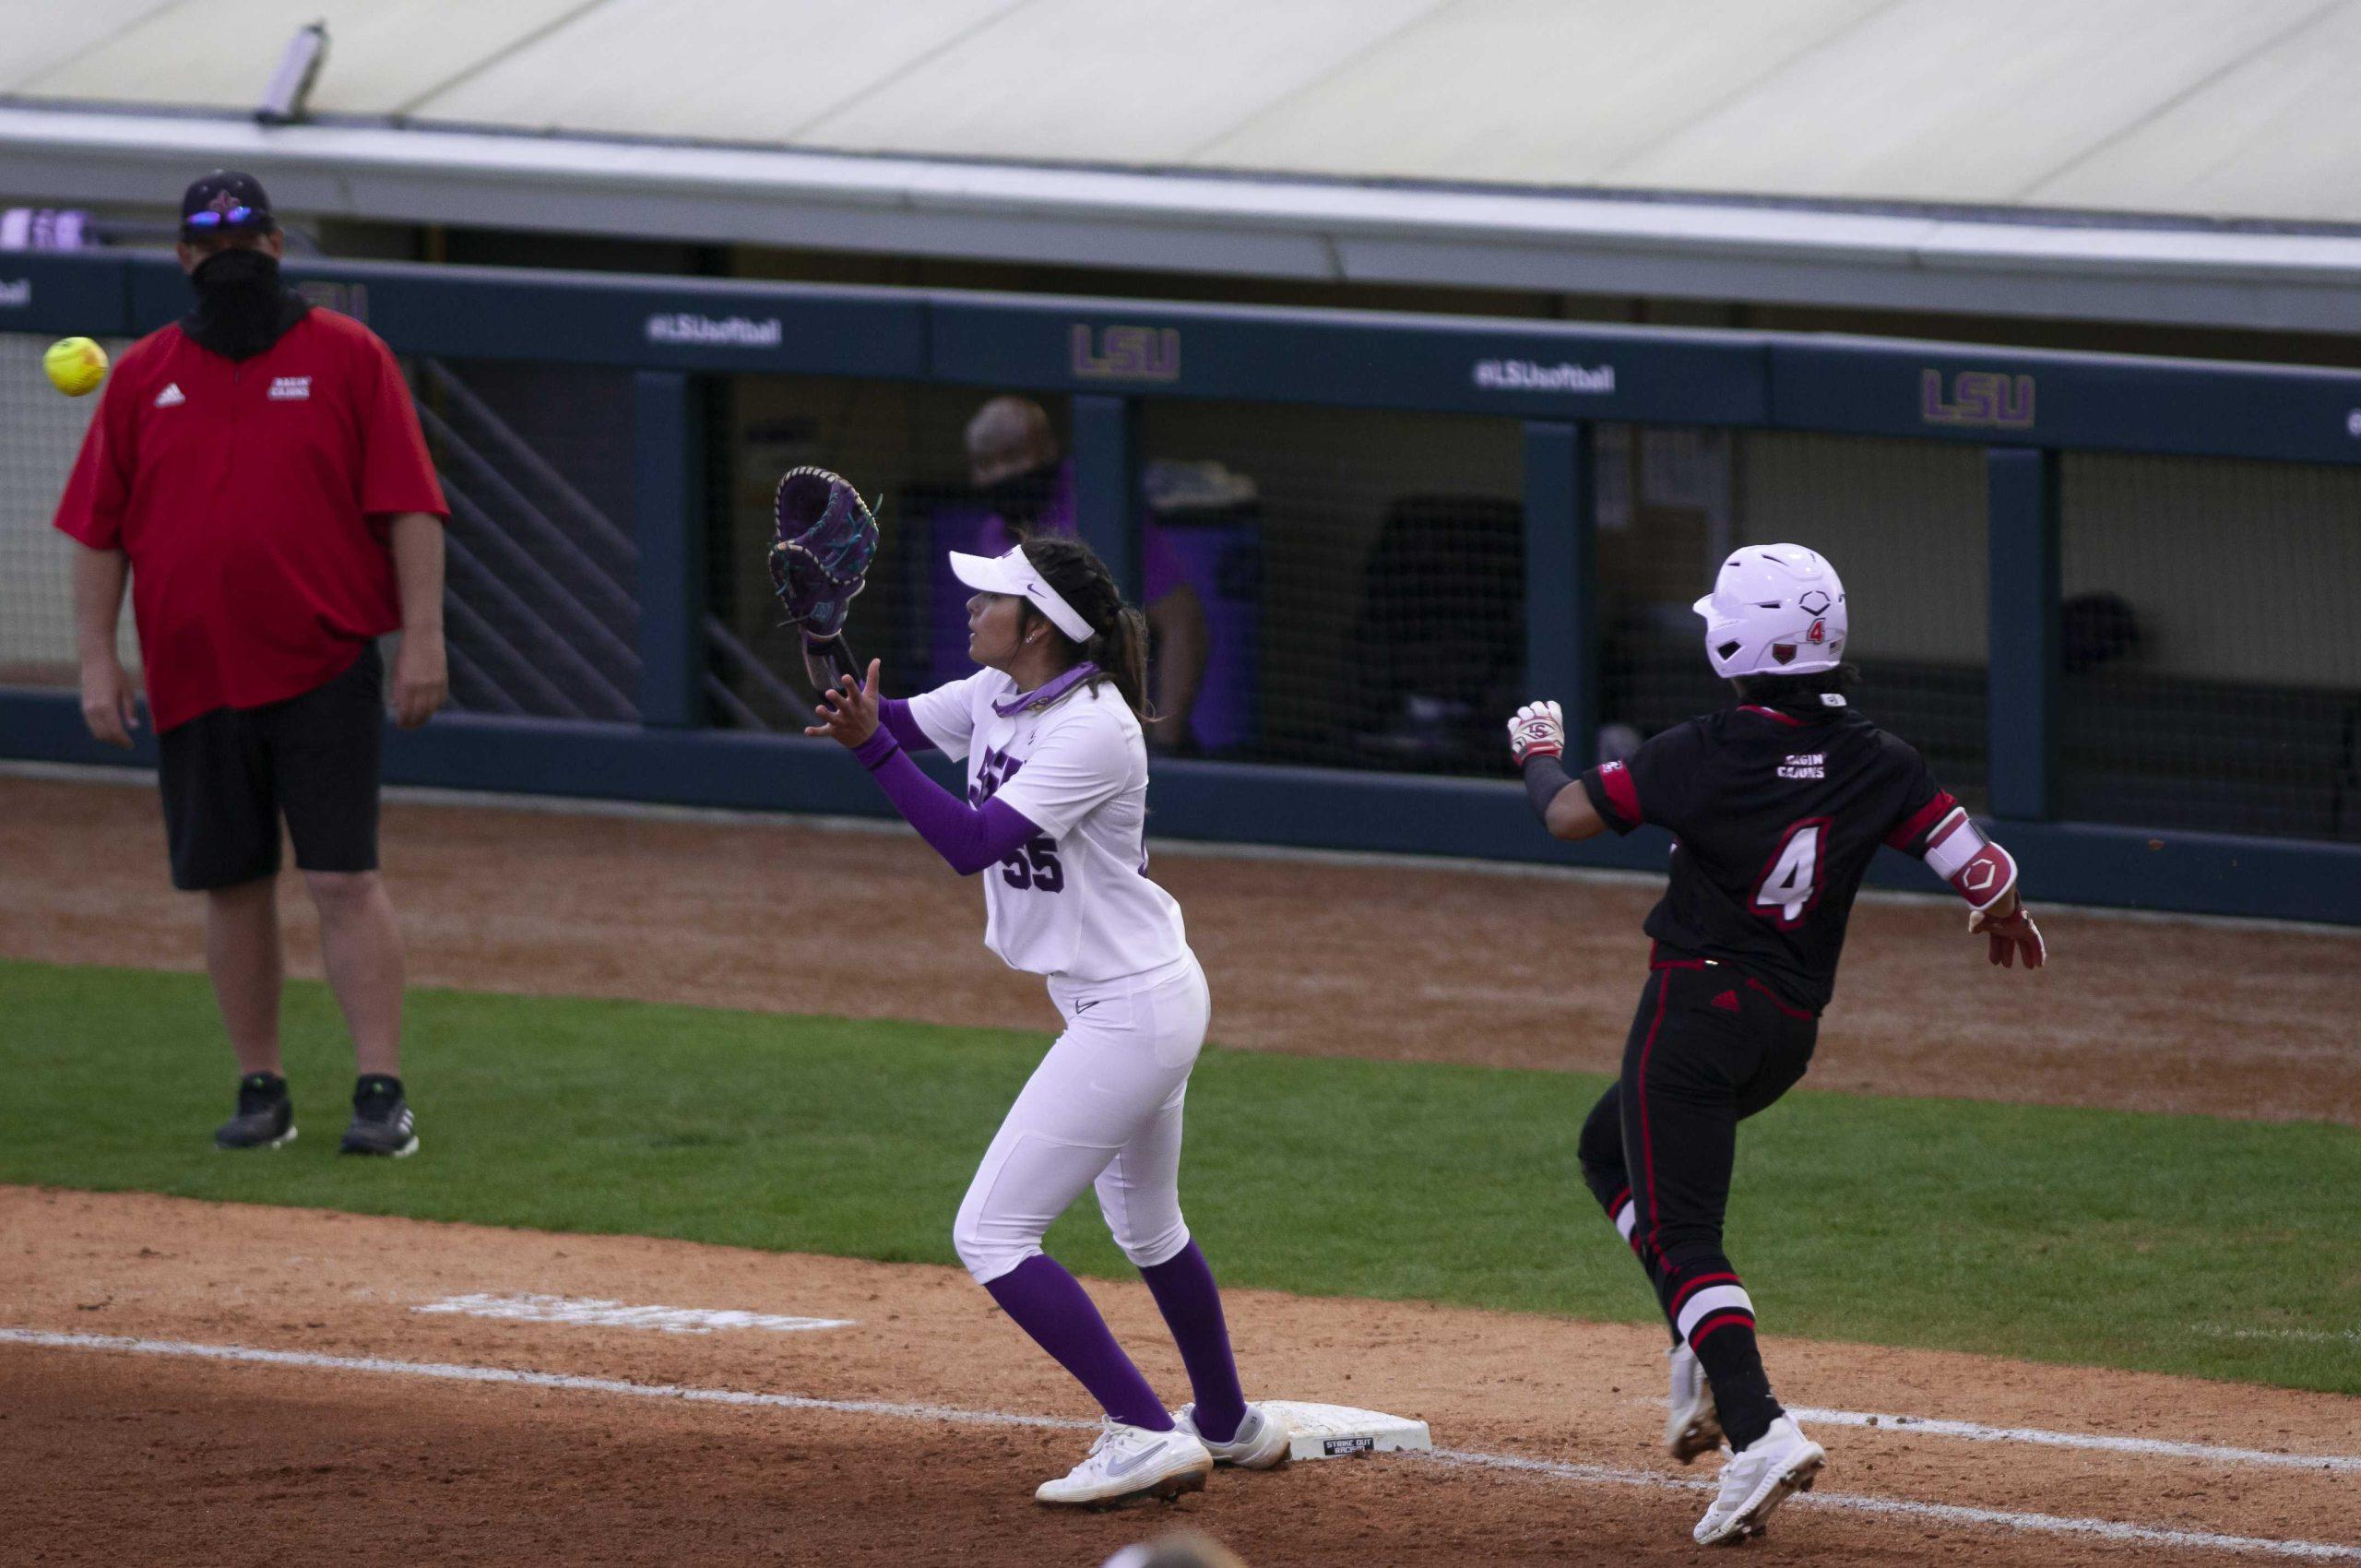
{"x": 650, "y": 645}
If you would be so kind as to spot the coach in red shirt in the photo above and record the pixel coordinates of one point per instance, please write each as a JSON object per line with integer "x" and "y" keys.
{"x": 257, "y": 472}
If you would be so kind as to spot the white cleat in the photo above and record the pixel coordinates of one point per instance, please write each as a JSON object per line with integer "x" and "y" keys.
{"x": 1693, "y": 1426}
{"x": 1773, "y": 1468}
{"x": 1261, "y": 1441}
{"x": 1128, "y": 1462}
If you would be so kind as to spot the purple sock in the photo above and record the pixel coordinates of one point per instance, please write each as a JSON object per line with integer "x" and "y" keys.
{"x": 1184, "y": 1291}
{"x": 1051, "y": 1305}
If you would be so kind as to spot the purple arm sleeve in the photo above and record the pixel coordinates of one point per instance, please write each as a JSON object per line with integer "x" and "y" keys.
{"x": 970, "y": 838}
{"x": 895, "y": 714}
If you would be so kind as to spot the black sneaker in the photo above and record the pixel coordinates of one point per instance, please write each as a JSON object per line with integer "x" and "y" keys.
{"x": 381, "y": 1119}
{"x": 266, "y": 1117}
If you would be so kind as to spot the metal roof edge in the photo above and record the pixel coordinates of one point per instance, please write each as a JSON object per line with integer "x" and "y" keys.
{"x": 1205, "y": 223}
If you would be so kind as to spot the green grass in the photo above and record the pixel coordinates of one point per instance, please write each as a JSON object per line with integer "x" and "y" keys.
{"x": 2179, "y": 1245}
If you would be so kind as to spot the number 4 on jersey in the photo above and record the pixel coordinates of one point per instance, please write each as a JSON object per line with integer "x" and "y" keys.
{"x": 1790, "y": 884}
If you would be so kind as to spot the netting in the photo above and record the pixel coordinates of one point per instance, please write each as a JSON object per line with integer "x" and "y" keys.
{"x": 1321, "y": 586}
{"x": 2209, "y": 681}
{"x": 1345, "y": 589}
{"x": 1901, "y": 521}
{"x": 901, "y": 444}
{"x": 43, "y": 431}
{"x": 542, "y": 612}
{"x": 536, "y": 463}
{"x": 1360, "y": 577}
{"x": 1904, "y": 523}
{"x": 1667, "y": 507}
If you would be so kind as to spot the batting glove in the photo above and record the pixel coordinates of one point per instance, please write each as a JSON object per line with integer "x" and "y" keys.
{"x": 2012, "y": 938}
{"x": 1539, "y": 729}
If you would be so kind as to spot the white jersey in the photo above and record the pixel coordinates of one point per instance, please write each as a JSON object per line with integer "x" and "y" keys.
{"x": 1074, "y": 903}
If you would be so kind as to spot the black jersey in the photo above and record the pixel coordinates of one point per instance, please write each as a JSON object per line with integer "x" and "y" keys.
{"x": 1776, "y": 813}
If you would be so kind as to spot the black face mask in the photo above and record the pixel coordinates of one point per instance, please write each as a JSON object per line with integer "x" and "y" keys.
{"x": 1020, "y": 499}
{"x": 242, "y": 306}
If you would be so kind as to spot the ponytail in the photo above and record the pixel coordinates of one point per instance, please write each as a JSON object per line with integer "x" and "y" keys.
{"x": 1118, "y": 644}
{"x": 1121, "y": 653}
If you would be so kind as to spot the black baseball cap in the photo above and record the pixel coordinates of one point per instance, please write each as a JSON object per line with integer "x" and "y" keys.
{"x": 225, "y": 202}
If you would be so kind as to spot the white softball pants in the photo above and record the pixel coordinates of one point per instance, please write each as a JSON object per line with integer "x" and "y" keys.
{"x": 1104, "y": 1108}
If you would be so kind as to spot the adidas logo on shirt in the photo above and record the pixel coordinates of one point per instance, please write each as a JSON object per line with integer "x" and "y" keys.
{"x": 170, "y": 398}
{"x": 287, "y": 388}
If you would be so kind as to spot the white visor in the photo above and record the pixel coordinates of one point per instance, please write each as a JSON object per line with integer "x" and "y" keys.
{"x": 1014, "y": 574}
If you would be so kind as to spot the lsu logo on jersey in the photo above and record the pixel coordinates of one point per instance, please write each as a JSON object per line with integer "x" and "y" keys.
{"x": 1035, "y": 867}
{"x": 996, "y": 769}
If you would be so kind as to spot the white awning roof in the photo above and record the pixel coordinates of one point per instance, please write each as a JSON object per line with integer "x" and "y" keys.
{"x": 1907, "y": 149}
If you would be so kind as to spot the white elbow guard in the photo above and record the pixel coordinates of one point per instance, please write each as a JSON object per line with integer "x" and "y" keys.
{"x": 1980, "y": 870}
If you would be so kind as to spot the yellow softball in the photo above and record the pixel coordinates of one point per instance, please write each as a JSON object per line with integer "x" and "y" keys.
{"x": 76, "y": 365}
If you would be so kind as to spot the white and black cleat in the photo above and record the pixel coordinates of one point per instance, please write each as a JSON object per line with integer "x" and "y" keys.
{"x": 1767, "y": 1472}
{"x": 387, "y": 1129}
{"x": 266, "y": 1117}
{"x": 1260, "y": 1443}
{"x": 1129, "y": 1463}
{"x": 1692, "y": 1426}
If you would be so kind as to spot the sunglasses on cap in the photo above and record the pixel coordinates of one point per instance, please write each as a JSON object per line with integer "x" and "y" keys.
{"x": 208, "y": 218}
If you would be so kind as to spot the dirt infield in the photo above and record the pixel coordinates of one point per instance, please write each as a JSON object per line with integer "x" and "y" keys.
{"x": 180, "y": 1453}
{"x": 1308, "y": 957}
{"x": 122, "y": 1456}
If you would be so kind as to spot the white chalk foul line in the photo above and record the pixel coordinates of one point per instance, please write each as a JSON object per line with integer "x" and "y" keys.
{"x": 614, "y": 1314}
{"x": 452, "y": 1372}
{"x": 2044, "y": 1523}
{"x": 2299, "y": 1336}
{"x": 1976, "y": 1433}
{"x": 2039, "y": 1524}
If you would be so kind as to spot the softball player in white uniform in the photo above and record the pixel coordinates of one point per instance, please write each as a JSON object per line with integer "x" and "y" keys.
{"x": 1053, "y": 820}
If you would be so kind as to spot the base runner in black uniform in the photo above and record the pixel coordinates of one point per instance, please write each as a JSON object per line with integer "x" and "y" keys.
{"x": 1777, "y": 805}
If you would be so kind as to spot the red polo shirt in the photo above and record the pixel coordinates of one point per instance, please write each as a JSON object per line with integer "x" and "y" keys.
{"x": 254, "y": 499}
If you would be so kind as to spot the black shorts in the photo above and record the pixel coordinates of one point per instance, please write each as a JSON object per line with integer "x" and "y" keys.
{"x": 229, "y": 775}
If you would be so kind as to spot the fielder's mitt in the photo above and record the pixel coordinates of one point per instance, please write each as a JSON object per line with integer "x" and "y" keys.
{"x": 825, "y": 538}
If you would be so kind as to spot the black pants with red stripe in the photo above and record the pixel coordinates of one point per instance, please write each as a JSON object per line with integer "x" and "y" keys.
{"x": 1709, "y": 1047}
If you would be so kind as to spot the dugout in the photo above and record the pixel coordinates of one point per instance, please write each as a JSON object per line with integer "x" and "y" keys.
{"x": 608, "y": 441}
